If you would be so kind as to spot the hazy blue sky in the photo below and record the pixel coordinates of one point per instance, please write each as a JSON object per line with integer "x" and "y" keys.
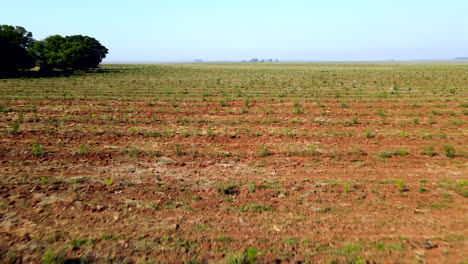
{"x": 178, "y": 30}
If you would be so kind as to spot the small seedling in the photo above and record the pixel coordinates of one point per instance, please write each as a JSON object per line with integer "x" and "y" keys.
{"x": 429, "y": 150}
{"x": 235, "y": 258}
{"x": 353, "y": 121}
{"x": 401, "y": 152}
{"x": 462, "y": 188}
{"x": 108, "y": 181}
{"x": 263, "y": 152}
{"x": 77, "y": 243}
{"x": 13, "y": 127}
{"x": 210, "y": 133}
{"x": 352, "y": 248}
{"x": 404, "y": 134}
{"x": 53, "y": 257}
{"x": 421, "y": 188}
{"x": 178, "y": 149}
{"x": 368, "y": 134}
{"x": 55, "y": 122}
{"x": 380, "y": 246}
{"x": 298, "y": 111}
{"x": 251, "y": 252}
{"x": 380, "y": 113}
{"x": 449, "y": 150}
{"x": 44, "y": 180}
{"x": 82, "y": 149}
{"x": 401, "y": 185}
{"x": 37, "y": 150}
{"x": 346, "y": 187}
{"x": 224, "y": 103}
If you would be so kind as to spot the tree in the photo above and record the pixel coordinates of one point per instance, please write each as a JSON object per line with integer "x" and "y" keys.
{"x": 69, "y": 53}
{"x": 15, "y": 43}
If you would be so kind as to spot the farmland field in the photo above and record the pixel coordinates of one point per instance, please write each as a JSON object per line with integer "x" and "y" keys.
{"x": 203, "y": 163}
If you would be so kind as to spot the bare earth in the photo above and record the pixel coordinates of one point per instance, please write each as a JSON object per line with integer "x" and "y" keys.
{"x": 195, "y": 181}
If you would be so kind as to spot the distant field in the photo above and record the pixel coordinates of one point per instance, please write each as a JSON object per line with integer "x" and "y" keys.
{"x": 238, "y": 81}
{"x": 196, "y": 163}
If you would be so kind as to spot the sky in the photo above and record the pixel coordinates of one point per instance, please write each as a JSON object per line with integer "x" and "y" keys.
{"x": 222, "y": 30}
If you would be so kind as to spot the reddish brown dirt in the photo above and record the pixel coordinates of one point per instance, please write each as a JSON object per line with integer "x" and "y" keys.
{"x": 133, "y": 197}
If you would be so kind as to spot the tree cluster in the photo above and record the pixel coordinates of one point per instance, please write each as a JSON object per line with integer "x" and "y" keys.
{"x": 19, "y": 51}
{"x": 262, "y": 60}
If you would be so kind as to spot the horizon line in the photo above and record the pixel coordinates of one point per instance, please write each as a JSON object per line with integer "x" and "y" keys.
{"x": 279, "y": 61}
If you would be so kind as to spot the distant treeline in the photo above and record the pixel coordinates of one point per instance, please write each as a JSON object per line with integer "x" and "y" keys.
{"x": 19, "y": 51}
{"x": 258, "y": 60}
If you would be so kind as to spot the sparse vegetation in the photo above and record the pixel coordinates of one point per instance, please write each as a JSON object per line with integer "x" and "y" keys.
{"x": 263, "y": 151}
{"x": 53, "y": 257}
{"x": 228, "y": 162}
{"x": 82, "y": 149}
{"x": 389, "y": 153}
{"x": 37, "y": 150}
{"x": 179, "y": 149}
{"x": 449, "y": 150}
{"x": 429, "y": 150}
{"x": 368, "y": 134}
{"x": 14, "y": 127}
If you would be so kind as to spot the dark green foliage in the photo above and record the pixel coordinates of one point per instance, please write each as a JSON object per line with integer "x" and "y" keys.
{"x": 14, "y": 46}
{"x": 69, "y": 53}
{"x": 19, "y": 51}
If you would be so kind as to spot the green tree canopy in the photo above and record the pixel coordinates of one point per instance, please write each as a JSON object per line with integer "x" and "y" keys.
{"x": 69, "y": 53}
{"x": 14, "y": 48}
